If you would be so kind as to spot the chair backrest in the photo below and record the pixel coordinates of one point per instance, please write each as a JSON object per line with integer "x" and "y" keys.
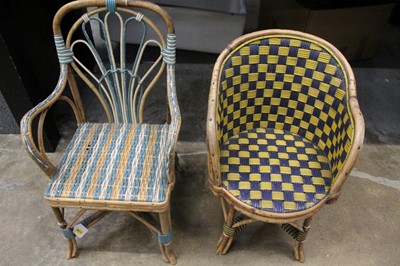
{"x": 291, "y": 81}
{"x": 119, "y": 80}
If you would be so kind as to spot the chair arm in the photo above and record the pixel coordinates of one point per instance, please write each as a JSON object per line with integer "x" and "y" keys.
{"x": 173, "y": 132}
{"x": 174, "y": 111}
{"x": 213, "y": 167}
{"x": 211, "y": 140}
{"x": 175, "y": 124}
{"x": 357, "y": 142}
{"x": 36, "y": 148}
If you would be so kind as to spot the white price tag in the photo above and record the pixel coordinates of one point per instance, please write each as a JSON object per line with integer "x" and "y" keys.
{"x": 80, "y": 230}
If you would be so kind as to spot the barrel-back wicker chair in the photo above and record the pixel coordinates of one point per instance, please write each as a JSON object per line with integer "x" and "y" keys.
{"x": 284, "y": 130}
{"x": 124, "y": 164}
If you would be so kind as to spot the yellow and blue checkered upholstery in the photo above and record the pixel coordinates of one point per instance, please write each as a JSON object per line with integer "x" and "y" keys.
{"x": 116, "y": 162}
{"x": 274, "y": 170}
{"x": 290, "y": 84}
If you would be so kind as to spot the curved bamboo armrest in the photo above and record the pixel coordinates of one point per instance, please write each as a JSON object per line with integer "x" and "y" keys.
{"x": 213, "y": 156}
{"x": 358, "y": 138}
{"x": 173, "y": 132}
{"x": 36, "y": 148}
{"x": 211, "y": 130}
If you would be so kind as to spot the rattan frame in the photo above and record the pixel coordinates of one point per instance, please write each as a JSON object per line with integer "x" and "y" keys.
{"x": 35, "y": 147}
{"x": 230, "y": 204}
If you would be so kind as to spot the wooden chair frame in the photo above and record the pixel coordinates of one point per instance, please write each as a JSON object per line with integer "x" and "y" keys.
{"x": 231, "y": 206}
{"x": 69, "y": 64}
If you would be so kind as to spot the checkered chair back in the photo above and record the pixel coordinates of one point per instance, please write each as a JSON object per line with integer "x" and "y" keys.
{"x": 289, "y": 83}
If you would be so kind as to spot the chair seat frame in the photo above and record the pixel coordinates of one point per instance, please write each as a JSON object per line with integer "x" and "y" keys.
{"x": 161, "y": 227}
{"x": 237, "y": 214}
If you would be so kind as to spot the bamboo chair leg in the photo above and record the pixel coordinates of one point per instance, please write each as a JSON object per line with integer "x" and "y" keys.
{"x": 72, "y": 250}
{"x": 72, "y": 246}
{"x": 299, "y": 251}
{"x": 167, "y": 249}
{"x": 299, "y": 242}
{"x": 226, "y": 239}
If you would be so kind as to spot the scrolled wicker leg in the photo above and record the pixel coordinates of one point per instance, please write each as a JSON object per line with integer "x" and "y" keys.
{"x": 299, "y": 251}
{"x": 72, "y": 246}
{"x": 169, "y": 253}
{"x": 300, "y": 239}
{"x": 226, "y": 239}
{"x": 72, "y": 249}
{"x": 165, "y": 240}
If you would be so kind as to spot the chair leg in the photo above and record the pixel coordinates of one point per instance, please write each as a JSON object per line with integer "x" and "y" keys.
{"x": 299, "y": 251}
{"x": 226, "y": 239}
{"x": 300, "y": 239}
{"x": 166, "y": 246}
{"x": 72, "y": 244}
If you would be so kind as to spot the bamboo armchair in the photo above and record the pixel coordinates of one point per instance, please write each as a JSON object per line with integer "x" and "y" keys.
{"x": 124, "y": 164}
{"x": 284, "y": 130}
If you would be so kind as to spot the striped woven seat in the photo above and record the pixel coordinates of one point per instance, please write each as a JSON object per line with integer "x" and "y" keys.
{"x": 274, "y": 170}
{"x": 118, "y": 162}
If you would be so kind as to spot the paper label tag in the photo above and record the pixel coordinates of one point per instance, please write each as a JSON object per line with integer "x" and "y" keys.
{"x": 80, "y": 230}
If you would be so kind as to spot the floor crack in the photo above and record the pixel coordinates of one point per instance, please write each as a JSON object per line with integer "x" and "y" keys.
{"x": 377, "y": 179}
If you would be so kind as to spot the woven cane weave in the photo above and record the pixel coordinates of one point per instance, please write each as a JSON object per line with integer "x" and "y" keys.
{"x": 122, "y": 162}
{"x": 289, "y": 84}
{"x": 274, "y": 170}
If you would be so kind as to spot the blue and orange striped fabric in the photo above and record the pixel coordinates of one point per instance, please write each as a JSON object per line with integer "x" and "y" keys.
{"x": 117, "y": 162}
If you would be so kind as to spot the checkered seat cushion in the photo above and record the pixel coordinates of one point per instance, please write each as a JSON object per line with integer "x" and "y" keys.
{"x": 116, "y": 162}
{"x": 274, "y": 170}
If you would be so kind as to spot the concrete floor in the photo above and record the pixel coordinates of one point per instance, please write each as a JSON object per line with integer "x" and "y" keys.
{"x": 360, "y": 229}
